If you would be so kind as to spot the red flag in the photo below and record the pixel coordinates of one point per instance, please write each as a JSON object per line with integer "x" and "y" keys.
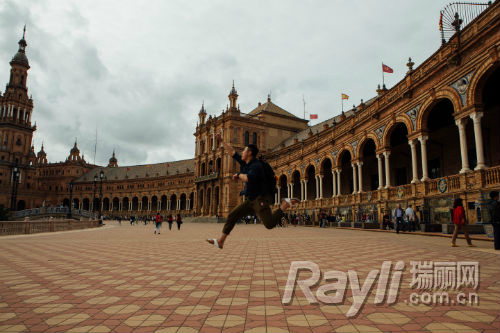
{"x": 128, "y": 169}
{"x": 313, "y": 116}
{"x": 386, "y": 69}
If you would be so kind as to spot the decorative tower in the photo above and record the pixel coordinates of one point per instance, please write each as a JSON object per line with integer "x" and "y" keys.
{"x": 233, "y": 97}
{"x": 41, "y": 157}
{"x": 113, "y": 162}
{"x": 74, "y": 154}
{"x": 16, "y": 132}
{"x": 202, "y": 114}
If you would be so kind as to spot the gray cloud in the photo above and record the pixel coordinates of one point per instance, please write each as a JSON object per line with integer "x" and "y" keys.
{"x": 139, "y": 72}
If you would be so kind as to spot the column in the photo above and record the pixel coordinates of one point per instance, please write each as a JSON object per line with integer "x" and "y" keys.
{"x": 387, "y": 169}
{"x": 360, "y": 176}
{"x": 414, "y": 166}
{"x": 179, "y": 203}
{"x": 289, "y": 188}
{"x": 168, "y": 204}
{"x": 140, "y": 205}
{"x": 276, "y": 198}
{"x": 129, "y": 206}
{"x": 380, "y": 172}
{"x": 423, "y": 147}
{"x": 305, "y": 189}
{"x": 478, "y": 136}
{"x": 120, "y": 206}
{"x": 339, "y": 185}
{"x": 334, "y": 183}
{"x": 301, "y": 190}
{"x": 111, "y": 205}
{"x": 354, "y": 179}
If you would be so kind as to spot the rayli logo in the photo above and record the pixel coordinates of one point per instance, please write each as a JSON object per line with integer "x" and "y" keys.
{"x": 339, "y": 285}
{"x": 426, "y": 276}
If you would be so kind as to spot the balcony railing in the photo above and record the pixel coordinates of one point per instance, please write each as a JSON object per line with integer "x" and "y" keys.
{"x": 448, "y": 185}
{"x": 211, "y": 176}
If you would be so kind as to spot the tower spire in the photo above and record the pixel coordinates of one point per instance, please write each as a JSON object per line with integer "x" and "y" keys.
{"x": 24, "y": 31}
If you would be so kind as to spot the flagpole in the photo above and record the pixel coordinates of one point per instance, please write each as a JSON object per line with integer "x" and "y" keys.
{"x": 383, "y": 83}
{"x": 342, "y": 99}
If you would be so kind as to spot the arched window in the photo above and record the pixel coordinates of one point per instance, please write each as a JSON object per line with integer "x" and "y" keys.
{"x": 254, "y": 138}
{"x": 247, "y": 138}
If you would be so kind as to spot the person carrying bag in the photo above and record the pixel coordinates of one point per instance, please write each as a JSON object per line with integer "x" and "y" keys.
{"x": 460, "y": 222}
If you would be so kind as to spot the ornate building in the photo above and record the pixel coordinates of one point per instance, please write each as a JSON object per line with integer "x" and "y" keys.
{"x": 429, "y": 139}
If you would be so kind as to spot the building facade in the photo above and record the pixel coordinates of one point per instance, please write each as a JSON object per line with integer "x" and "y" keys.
{"x": 432, "y": 137}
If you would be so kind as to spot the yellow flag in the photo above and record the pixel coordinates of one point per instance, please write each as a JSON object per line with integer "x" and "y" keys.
{"x": 344, "y": 96}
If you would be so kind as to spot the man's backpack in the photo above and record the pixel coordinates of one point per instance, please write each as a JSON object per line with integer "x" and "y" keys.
{"x": 270, "y": 177}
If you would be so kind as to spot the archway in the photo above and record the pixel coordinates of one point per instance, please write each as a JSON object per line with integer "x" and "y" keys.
{"x": 135, "y": 203}
{"x": 183, "y": 201}
{"x": 125, "y": 204}
{"x": 296, "y": 185}
{"x": 283, "y": 187}
{"x": 311, "y": 182}
{"x": 154, "y": 203}
{"x": 208, "y": 201}
{"x": 400, "y": 158}
{"x": 491, "y": 122}
{"x": 173, "y": 202}
{"x": 216, "y": 200}
{"x": 443, "y": 146}
{"x": 164, "y": 202}
{"x": 86, "y": 204}
{"x": 116, "y": 204}
{"x": 65, "y": 202}
{"x": 105, "y": 204}
{"x": 191, "y": 201}
{"x": 144, "y": 203}
{"x": 327, "y": 181}
{"x": 200, "y": 201}
{"x": 346, "y": 181}
{"x": 76, "y": 203}
{"x": 370, "y": 165}
{"x": 96, "y": 205}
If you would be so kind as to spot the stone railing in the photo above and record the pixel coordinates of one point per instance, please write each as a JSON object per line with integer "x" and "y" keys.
{"x": 32, "y": 227}
{"x": 50, "y": 211}
{"x": 213, "y": 175}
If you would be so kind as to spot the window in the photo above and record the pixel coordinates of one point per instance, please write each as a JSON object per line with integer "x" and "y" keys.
{"x": 247, "y": 138}
{"x": 254, "y": 138}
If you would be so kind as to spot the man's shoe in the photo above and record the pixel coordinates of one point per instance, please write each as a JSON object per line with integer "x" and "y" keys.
{"x": 471, "y": 245}
{"x": 454, "y": 245}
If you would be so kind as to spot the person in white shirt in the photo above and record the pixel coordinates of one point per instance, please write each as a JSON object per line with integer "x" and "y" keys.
{"x": 410, "y": 216}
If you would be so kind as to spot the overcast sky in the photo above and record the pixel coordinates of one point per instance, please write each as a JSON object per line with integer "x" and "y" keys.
{"x": 139, "y": 71}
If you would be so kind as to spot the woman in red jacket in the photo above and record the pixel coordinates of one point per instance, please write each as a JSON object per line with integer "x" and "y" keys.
{"x": 459, "y": 221}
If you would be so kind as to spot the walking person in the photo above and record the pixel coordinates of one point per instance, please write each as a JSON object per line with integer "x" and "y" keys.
{"x": 460, "y": 222}
{"x": 398, "y": 215}
{"x": 178, "y": 219}
{"x": 260, "y": 183}
{"x": 494, "y": 210}
{"x": 170, "y": 220}
{"x": 410, "y": 216}
{"x": 157, "y": 220}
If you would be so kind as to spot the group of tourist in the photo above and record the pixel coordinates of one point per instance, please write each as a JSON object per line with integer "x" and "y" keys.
{"x": 401, "y": 219}
{"x": 157, "y": 219}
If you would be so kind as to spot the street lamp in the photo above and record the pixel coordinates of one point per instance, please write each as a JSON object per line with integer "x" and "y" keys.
{"x": 70, "y": 214}
{"x": 101, "y": 176}
{"x": 15, "y": 177}
{"x": 93, "y": 195}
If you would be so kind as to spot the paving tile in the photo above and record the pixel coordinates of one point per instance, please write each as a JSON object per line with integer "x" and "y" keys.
{"x": 122, "y": 279}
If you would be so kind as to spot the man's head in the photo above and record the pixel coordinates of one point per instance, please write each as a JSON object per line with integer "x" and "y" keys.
{"x": 494, "y": 195}
{"x": 250, "y": 152}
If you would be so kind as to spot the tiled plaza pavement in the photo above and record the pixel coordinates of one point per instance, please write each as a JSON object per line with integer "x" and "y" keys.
{"x": 125, "y": 279}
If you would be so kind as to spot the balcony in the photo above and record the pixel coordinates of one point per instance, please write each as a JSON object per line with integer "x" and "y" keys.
{"x": 211, "y": 176}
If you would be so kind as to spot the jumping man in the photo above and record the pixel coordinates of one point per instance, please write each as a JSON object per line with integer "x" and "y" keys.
{"x": 257, "y": 197}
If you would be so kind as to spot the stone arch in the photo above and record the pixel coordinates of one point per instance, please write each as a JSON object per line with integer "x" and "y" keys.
{"x": 346, "y": 149}
{"x": 476, "y": 84}
{"x": 326, "y": 167}
{"x": 364, "y": 140}
{"x": 444, "y": 93}
{"x": 183, "y": 200}
{"x": 386, "y": 138}
{"x": 116, "y": 203}
{"x": 125, "y": 204}
{"x": 283, "y": 185}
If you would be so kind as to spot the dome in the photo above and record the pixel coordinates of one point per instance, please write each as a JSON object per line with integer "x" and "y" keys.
{"x": 75, "y": 150}
{"x": 20, "y": 57}
{"x": 42, "y": 152}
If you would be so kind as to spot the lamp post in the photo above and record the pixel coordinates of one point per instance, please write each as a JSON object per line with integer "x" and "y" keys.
{"x": 93, "y": 195}
{"x": 70, "y": 214}
{"x": 15, "y": 177}
{"x": 101, "y": 176}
